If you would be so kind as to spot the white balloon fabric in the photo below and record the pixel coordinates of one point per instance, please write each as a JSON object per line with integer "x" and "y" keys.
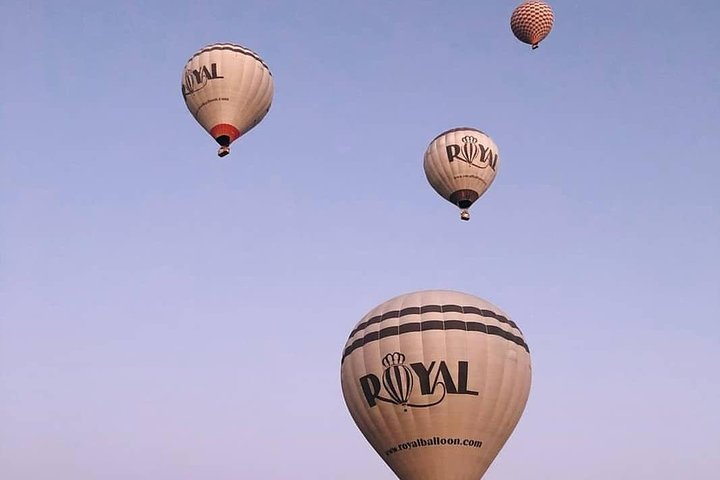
{"x": 228, "y": 89}
{"x": 460, "y": 165}
{"x": 436, "y": 381}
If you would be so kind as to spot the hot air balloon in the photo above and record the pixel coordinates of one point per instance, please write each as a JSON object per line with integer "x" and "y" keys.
{"x": 228, "y": 89}
{"x": 436, "y": 381}
{"x": 460, "y": 164}
{"x": 531, "y": 22}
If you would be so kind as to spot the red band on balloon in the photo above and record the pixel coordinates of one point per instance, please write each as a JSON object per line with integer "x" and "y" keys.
{"x": 225, "y": 129}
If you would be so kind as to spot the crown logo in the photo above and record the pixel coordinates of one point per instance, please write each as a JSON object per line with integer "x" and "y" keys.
{"x": 393, "y": 359}
{"x": 469, "y": 139}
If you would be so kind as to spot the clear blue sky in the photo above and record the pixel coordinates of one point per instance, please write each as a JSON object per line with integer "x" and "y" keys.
{"x": 168, "y": 315}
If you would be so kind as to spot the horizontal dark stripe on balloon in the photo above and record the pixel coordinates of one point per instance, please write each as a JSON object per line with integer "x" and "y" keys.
{"x": 434, "y": 325}
{"x": 433, "y": 309}
{"x": 458, "y": 130}
{"x": 233, "y": 48}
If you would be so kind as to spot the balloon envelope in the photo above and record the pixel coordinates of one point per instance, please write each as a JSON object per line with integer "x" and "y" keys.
{"x": 436, "y": 381}
{"x": 460, "y": 164}
{"x": 228, "y": 89}
{"x": 532, "y": 21}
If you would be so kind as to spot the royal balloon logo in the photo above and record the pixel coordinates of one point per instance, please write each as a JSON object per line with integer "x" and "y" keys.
{"x": 194, "y": 80}
{"x": 434, "y": 381}
{"x": 472, "y": 152}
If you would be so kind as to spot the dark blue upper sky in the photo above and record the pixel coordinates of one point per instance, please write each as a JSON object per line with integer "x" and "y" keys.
{"x": 165, "y": 314}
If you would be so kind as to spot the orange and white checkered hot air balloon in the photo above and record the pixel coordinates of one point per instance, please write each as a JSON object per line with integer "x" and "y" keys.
{"x": 228, "y": 89}
{"x": 532, "y": 21}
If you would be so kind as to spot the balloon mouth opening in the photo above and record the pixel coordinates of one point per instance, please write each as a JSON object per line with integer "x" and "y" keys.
{"x": 224, "y": 134}
{"x": 464, "y": 198}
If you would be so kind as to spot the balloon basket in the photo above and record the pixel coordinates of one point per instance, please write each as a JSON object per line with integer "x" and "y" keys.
{"x": 222, "y": 151}
{"x": 464, "y": 215}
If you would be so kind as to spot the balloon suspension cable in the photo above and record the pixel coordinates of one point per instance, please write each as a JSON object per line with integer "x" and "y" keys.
{"x": 223, "y": 150}
{"x": 464, "y": 215}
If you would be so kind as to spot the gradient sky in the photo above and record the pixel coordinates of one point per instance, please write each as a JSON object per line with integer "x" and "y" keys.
{"x": 169, "y": 315}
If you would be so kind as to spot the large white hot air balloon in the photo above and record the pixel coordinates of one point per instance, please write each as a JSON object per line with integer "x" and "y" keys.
{"x": 436, "y": 381}
{"x": 228, "y": 89}
{"x": 460, "y": 164}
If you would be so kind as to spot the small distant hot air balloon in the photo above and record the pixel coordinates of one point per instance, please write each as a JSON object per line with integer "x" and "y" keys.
{"x": 436, "y": 381}
{"x": 460, "y": 165}
{"x": 531, "y": 22}
{"x": 228, "y": 89}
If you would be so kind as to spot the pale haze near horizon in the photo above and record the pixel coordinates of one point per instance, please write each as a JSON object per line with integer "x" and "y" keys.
{"x": 165, "y": 314}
